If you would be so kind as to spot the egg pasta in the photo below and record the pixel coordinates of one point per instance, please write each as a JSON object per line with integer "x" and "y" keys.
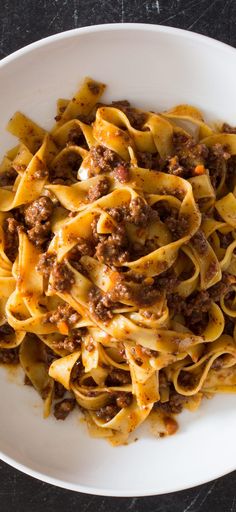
{"x": 118, "y": 262}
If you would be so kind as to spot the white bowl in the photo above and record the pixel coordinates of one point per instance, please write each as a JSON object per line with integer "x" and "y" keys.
{"x": 154, "y": 67}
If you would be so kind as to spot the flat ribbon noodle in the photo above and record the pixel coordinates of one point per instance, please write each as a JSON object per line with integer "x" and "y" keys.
{"x": 33, "y": 362}
{"x": 96, "y": 305}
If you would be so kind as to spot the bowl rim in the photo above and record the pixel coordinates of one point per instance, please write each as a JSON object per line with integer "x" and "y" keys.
{"x": 104, "y": 27}
{"x": 178, "y": 32}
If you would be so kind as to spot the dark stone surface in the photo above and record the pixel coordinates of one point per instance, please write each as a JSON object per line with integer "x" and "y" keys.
{"x": 20, "y": 493}
{"x": 23, "y": 22}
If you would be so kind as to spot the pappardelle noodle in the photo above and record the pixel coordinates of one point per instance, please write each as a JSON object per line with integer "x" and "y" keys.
{"x": 118, "y": 261}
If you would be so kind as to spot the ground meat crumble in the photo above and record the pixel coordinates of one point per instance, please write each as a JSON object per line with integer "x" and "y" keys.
{"x": 83, "y": 247}
{"x": 59, "y": 390}
{"x": 188, "y": 156}
{"x": 65, "y": 170}
{"x": 176, "y": 223}
{"x": 69, "y": 343}
{"x": 37, "y": 219}
{"x": 62, "y": 277}
{"x": 142, "y": 295}
{"x": 138, "y": 213}
{"x": 114, "y": 249}
{"x": 100, "y": 305}
{"x": 117, "y": 401}
{"x": 141, "y": 213}
{"x": 150, "y": 161}
{"x": 137, "y": 119}
{"x": 100, "y": 189}
{"x": 199, "y": 242}
{"x": 6, "y": 330}
{"x": 104, "y": 160}
{"x": 63, "y": 313}
{"x": 195, "y": 308}
{"x": 8, "y": 177}
{"x": 107, "y": 412}
{"x": 217, "y": 162}
{"x": 45, "y": 264}
{"x": 174, "y": 405}
{"x": 11, "y": 240}
{"x": 63, "y": 408}
{"x": 226, "y": 128}
{"x": 225, "y": 239}
{"x": 118, "y": 377}
{"x": 9, "y": 356}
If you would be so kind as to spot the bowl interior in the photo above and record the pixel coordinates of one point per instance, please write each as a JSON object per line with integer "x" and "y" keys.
{"x": 155, "y": 68}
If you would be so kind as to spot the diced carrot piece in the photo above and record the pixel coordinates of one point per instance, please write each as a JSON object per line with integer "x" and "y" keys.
{"x": 138, "y": 351}
{"x": 171, "y": 425}
{"x": 199, "y": 169}
{"x": 63, "y": 327}
{"x": 173, "y": 160}
{"x": 149, "y": 281}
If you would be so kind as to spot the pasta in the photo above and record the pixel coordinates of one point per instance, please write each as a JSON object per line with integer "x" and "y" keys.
{"x": 117, "y": 261}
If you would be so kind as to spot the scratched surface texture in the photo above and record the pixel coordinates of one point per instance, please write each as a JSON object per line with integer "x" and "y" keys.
{"x": 25, "y": 21}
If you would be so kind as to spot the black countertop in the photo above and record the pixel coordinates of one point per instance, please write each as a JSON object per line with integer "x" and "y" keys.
{"x": 25, "y": 21}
